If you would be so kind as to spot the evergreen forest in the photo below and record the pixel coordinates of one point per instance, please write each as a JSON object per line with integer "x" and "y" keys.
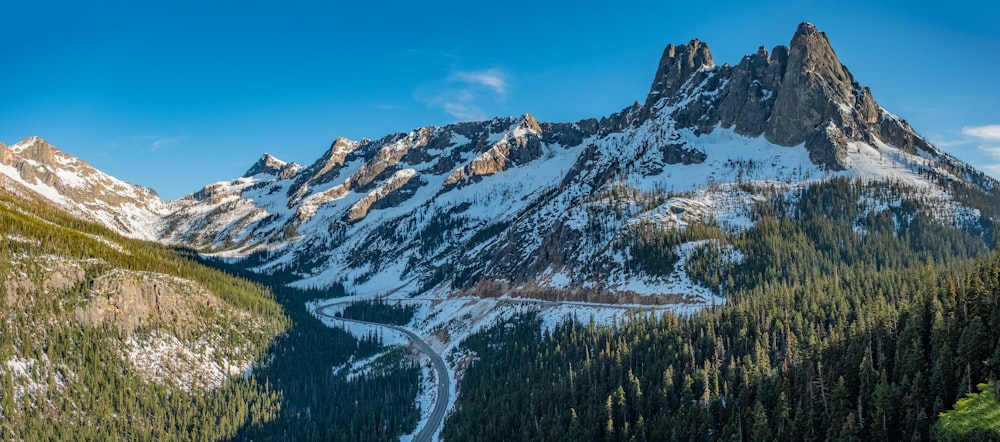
{"x": 841, "y": 323}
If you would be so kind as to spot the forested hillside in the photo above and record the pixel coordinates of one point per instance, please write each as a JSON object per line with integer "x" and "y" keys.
{"x": 332, "y": 386}
{"x": 845, "y": 319}
{"x": 107, "y": 338}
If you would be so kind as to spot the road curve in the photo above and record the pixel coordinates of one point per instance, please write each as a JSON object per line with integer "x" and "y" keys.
{"x": 436, "y": 419}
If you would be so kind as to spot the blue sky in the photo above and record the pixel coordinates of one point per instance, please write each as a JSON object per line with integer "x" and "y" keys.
{"x": 176, "y": 94}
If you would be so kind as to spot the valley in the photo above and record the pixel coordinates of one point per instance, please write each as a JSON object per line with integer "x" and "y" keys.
{"x": 755, "y": 251}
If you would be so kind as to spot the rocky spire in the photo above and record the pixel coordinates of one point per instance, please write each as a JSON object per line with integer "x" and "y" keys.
{"x": 529, "y": 122}
{"x": 797, "y": 95}
{"x": 677, "y": 64}
{"x": 814, "y": 85}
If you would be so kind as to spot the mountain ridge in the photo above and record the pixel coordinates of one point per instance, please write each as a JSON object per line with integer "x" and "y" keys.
{"x": 513, "y": 199}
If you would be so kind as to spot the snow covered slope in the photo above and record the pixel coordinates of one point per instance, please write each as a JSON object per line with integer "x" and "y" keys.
{"x": 563, "y": 210}
{"x": 33, "y": 167}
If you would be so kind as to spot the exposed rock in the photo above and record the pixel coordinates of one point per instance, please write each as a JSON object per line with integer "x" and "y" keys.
{"x": 567, "y": 134}
{"x": 267, "y": 164}
{"x": 326, "y": 167}
{"x": 5, "y": 154}
{"x": 28, "y": 276}
{"x": 529, "y": 122}
{"x": 455, "y": 177}
{"x": 212, "y": 193}
{"x": 38, "y": 150}
{"x": 289, "y": 171}
{"x": 828, "y": 145}
{"x": 387, "y": 156}
{"x": 677, "y": 65}
{"x": 519, "y": 146}
{"x": 360, "y": 209}
{"x": 127, "y": 300}
{"x": 814, "y": 83}
{"x": 789, "y": 96}
{"x": 898, "y": 132}
{"x": 83, "y": 191}
{"x": 868, "y": 111}
{"x": 747, "y": 102}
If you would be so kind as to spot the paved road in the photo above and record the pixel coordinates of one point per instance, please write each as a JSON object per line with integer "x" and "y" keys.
{"x": 436, "y": 419}
{"x": 426, "y": 434}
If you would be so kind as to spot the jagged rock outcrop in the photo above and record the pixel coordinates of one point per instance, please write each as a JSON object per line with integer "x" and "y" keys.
{"x": 360, "y": 208}
{"x": 520, "y": 146}
{"x": 745, "y": 106}
{"x": 329, "y": 163}
{"x": 20, "y": 285}
{"x": 814, "y": 85}
{"x": 801, "y": 94}
{"x": 677, "y": 65}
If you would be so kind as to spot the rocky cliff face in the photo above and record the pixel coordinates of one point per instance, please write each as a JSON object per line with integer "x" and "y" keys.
{"x": 800, "y": 94}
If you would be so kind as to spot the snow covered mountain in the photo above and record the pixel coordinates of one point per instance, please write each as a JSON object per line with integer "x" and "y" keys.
{"x": 533, "y": 209}
{"x": 33, "y": 167}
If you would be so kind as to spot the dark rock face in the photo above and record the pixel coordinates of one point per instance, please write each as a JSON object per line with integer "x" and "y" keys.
{"x": 267, "y": 164}
{"x": 677, "y": 65}
{"x": 813, "y": 84}
{"x": 754, "y": 80}
{"x": 794, "y": 95}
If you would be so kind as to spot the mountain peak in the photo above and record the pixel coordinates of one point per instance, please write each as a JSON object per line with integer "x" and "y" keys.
{"x": 267, "y": 164}
{"x": 529, "y": 122}
{"x": 814, "y": 80}
{"x": 677, "y": 64}
{"x": 36, "y": 149}
{"x": 800, "y": 94}
{"x": 34, "y": 165}
{"x": 806, "y": 28}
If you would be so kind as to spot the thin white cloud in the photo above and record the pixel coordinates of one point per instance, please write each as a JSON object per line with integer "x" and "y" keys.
{"x": 988, "y": 132}
{"x": 162, "y": 142}
{"x": 464, "y": 111}
{"x": 492, "y": 78}
{"x": 467, "y": 95}
{"x": 462, "y": 104}
{"x": 977, "y": 145}
{"x": 947, "y": 142}
{"x": 992, "y": 169}
{"x": 992, "y": 152}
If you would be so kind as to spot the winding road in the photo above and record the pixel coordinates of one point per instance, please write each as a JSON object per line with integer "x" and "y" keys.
{"x": 436, "y": 419}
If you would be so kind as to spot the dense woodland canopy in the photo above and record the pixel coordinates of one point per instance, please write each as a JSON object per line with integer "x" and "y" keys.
{"x": 841, "y": 323}
{"x": 318, "y": 400}
{"x": 63, "y": 380}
